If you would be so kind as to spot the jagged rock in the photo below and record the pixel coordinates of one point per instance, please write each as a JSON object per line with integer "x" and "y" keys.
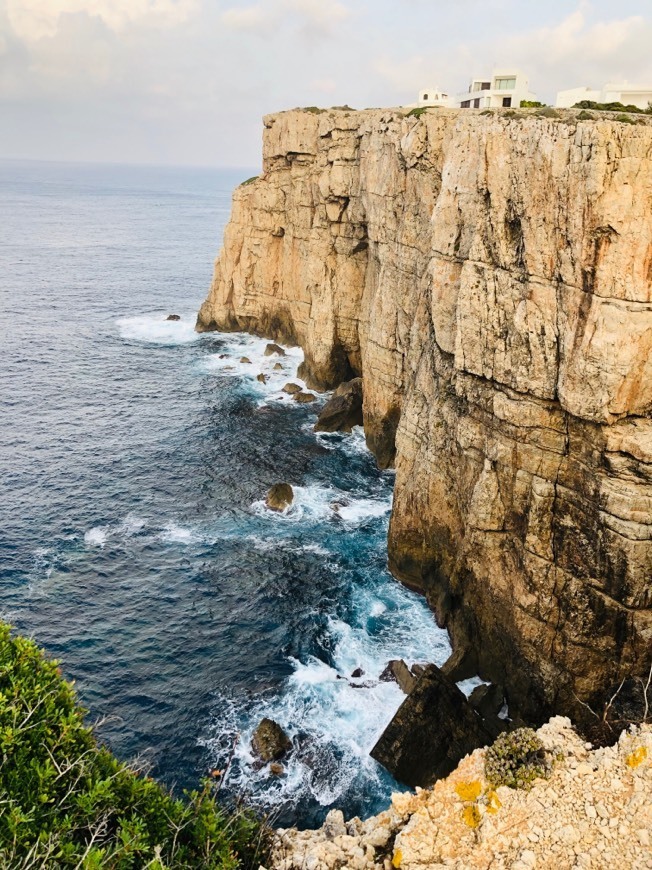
{"x": 397, "y": 671}
{"x": 245, "y": 359}
{"x": 487, "y": 699}
{"x": 274, "y": 348}
{"x": 334, "y": 825}
{"x": 173, "y": 317}
{"x": 304, "y": 398}
{"x": 344, "y": 410}
{"x": 279, "y": 497}
{"x": 291, "y": 388}
{"x": 418, "y": 669}
{"x": 262, "y": 378}
{"x": 278, "y": 367}
{"x": 269, "y": 741}
{"x": 502, "y": 322}
{"x": 276, "y": 768}
{"x": 432, "y": 730}
{"x": 357, "y": 673}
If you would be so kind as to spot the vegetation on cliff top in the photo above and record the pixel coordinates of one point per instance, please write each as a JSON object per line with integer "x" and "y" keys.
{"x": 68, "y": 802}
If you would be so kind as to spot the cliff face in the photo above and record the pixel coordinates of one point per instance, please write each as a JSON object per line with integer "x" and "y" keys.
{"x": 490, "y": 277}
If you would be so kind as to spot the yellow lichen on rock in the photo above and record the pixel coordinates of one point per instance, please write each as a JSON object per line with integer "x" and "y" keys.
{"x": 398, "y": 857}
{"x": 493, "y": 802}
{"x": 636, "y": 757}
{"x": 471, "y": 816}
{"x": 469, "y": 791}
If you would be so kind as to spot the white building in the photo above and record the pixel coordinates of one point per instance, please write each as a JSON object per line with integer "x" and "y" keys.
{"x": 432, "y": 97}
{"x": 629, "y": 95}
{"x": 503, "y": 89}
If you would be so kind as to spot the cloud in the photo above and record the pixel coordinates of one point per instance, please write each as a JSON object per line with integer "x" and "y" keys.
{"x": 32, "y": 20}
{"x": 315, "y": 16}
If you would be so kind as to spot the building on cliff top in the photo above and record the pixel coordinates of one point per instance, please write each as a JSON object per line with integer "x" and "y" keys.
{"x": 504, "y": 88}
{"x": 612, "y": 92}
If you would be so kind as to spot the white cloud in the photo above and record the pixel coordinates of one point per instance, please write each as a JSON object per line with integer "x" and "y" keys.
{"x": 315, "y": 15}
{"x": 32, "y": 20}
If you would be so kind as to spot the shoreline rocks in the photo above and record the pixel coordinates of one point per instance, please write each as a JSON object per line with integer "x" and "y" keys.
{"x": 270, "y": 742}
{"x": 279, "y": 497}
{"x": 592, "y": 813}
{"x": 344, "y": 410}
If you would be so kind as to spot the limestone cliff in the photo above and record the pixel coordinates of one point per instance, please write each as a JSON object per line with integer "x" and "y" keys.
{"x": 490, "y": 278}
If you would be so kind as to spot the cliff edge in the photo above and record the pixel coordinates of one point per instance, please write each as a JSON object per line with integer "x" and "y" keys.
{"x": 489, "y": 276}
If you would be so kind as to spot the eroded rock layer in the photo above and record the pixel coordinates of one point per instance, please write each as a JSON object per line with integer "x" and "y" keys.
{"x": 490, "y": 279}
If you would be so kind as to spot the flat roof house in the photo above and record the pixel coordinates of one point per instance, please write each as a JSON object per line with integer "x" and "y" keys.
{"x": 503, "y": 89}
{"x": 630, "y": 95}
{"x": 432, "y": 97}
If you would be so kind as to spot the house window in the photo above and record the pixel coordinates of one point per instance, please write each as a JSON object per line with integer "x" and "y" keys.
{"x": 486, "y": 86}
{"x": 425, "y": 96}
{"x": 505, "y": 84}
{"x": 507, "y": 102}
{"x": 476, "y": 103}
{"x": 466, "y": 104}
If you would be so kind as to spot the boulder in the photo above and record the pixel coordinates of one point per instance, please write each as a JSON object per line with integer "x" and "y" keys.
{"x": 274, "y": 348}
{"x": 396, "y": 671}
{"x": 280, "y": 496}
{"x": 278, "y": 367}
{"x": 262, "y": 378}
{"x": 433, "y": 729}
{"x": 269, "y": 741}
{"x": 291, "y": 388}
{"x": 173, "y": 317}
{"x": 357, "y": 673}
{"x": 304, "y": 398}
{"x": 245, "y": 359}
{"x": 344, "y": 410}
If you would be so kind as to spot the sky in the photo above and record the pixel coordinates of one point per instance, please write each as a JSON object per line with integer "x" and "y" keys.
{"x": 186, "y": 82}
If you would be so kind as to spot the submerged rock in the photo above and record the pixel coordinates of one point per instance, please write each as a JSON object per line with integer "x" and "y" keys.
{"x": 433, "y": 729}
{"x": 396, "y": 671}
{"x": 262, "y": 378}
{"x": 274, "y": 349}
{"x": 357, "y": 673}
{"x": 279, "y": 496}
{"x": 304, "y": 398}
{"x": 245, "y": 359}
{"x": 269, "y": 741}
{"x": 344, "y": 410}
{"x": 173, "y": 317}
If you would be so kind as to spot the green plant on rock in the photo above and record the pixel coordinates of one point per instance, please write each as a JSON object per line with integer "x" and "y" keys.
{"x": 516, "y": 759}
{"x": 66, "y": 801}
{"x": 418, "y": 111}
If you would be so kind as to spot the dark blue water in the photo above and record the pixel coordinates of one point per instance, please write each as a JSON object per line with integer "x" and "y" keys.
{"x": 134, "y": 543}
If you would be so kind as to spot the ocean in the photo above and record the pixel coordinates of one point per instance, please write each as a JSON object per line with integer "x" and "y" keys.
{"x": 135, "y": 457}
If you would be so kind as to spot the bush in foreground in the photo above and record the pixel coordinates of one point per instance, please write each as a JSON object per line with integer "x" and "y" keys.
{"x": 65, "y": 801}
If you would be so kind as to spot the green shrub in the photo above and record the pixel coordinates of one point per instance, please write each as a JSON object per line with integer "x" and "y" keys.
{"x": 516, "y": 759}
{"x": 625, "y": 119}
{"x": 585, "y": 116}
{"x": 314, "y": 110}
{"x": 547, "y": 112}
{"x": 250, "y": 180}
{"x": 531, "y": 104}
{"x": 68, "y": 802}
{"x": 610, "y": 107}
{"x": 418, "y": 111}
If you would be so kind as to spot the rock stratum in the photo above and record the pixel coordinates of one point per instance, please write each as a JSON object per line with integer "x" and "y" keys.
{"x": 489, "y": 277}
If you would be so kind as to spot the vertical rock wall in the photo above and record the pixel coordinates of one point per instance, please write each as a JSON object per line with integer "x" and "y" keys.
{"x": 490, "y": 278}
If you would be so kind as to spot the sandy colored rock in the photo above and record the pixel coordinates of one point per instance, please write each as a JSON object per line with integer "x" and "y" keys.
{"x": 490, "y": 279}
{"x": 279, "y": 496}
{"x": 593, "y": 812}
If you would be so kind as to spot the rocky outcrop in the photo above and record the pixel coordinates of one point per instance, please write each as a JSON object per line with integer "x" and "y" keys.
{"x": 432, "y": 730}
{"x": 344, "y": 410}
{"x": 592, "y": 812}
{"x": 279, "y": 497}
{"x": 490, "y": 279}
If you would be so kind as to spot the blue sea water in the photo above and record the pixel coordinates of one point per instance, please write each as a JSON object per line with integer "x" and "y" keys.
{"x": 134, "y": 543}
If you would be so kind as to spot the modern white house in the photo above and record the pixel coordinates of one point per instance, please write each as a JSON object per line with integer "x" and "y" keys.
{"x": 432, "y": 97}
{"x": 630, "y": 95}
{"x": 503, "y": 89}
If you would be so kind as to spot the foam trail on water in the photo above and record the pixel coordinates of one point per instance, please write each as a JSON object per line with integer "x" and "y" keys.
{"x": 96, "y": 537}
{"x": 155, "y": 329}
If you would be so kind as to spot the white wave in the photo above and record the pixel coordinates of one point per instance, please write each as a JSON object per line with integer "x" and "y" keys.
{"x": 317, "y": 503}
{"x": 155, "y": 329}
{"x": 96, "y": 537}
{"x": 130, "y": 526}
{"x": 173, "y": 533}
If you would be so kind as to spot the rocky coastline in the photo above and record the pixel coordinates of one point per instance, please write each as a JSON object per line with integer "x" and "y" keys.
{"x": 489, "y": 278}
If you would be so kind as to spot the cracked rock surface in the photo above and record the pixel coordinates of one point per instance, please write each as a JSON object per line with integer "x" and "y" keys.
{"x": 490, "y": 279}
{"x": 594, "y": 812}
